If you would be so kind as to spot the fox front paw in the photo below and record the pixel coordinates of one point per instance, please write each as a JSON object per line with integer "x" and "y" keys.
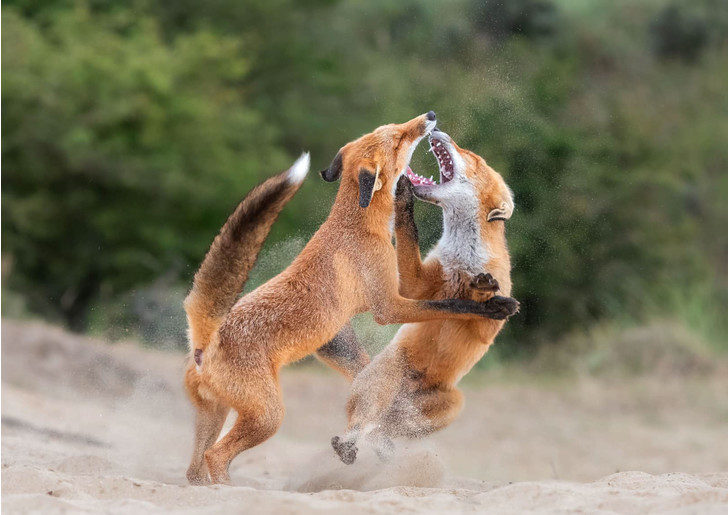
{"x": 404, "y": 194}
{"x": 500, "y": 308}
{"x": 485, "y": 283}
{"x": 483, "y": 287}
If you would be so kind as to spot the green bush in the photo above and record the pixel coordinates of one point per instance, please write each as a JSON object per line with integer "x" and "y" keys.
{"x": 122, "y": 154}
{"x": 129, "y": 133}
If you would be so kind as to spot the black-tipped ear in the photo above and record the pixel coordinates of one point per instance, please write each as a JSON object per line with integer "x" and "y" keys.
{"x": 367, "y": 180}
{"x": 333, "y": 172}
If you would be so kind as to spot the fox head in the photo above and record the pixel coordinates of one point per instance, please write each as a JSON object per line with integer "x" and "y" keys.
{"x": 463, "y": 175}
{"x": 376, "y": 160}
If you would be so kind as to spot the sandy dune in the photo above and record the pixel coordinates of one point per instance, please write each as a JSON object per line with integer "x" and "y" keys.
{"x": 93, "y": 428}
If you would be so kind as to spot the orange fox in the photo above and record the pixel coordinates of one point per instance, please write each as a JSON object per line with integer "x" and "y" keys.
{"x": 410, "y": 389}
{"x": 349, "y": 266}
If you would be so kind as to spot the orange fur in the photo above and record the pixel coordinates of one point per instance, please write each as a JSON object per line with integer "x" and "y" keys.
{"x": 348, "y": 266}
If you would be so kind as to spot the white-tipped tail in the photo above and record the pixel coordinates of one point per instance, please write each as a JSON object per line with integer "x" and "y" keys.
{"x": 297, "y": 172}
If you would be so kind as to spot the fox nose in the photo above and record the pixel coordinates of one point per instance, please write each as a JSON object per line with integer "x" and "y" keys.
{"x": 431, "y": 116}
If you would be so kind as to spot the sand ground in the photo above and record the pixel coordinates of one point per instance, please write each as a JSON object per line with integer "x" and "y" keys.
{"x": 89, "y": 427}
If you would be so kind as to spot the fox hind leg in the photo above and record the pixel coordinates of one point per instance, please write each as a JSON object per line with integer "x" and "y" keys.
{"x": 209, "y": 419}
{"x": 432, "y": 409}
{"x": 427, "y": 412}
{"x": 258, "y": 419}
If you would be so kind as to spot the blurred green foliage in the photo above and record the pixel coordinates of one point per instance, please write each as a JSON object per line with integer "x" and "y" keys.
{"x": 130, "y": 130}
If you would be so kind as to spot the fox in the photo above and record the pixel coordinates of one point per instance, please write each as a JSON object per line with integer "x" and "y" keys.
{"x": 410, "y": 389}
{"x": 349, "y": 266}
{"x": 218, "y": 283}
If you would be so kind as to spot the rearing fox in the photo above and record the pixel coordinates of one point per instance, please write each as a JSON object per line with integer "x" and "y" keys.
{"x": 410, "y": 388}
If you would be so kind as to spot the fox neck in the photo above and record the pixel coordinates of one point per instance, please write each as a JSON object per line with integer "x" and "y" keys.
{"x": 376, "y": 218}
{"x": 462, "y": 247}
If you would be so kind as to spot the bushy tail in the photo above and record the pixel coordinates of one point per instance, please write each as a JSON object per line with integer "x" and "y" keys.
{"x": 233, "y": 253}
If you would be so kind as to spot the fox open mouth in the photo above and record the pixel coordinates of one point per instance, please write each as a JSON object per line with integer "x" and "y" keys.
{"x": 444, "y": 163}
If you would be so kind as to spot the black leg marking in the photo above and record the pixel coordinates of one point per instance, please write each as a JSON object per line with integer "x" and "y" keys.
{"x": 345, "y": 350}
{"x": 497, "y": 308}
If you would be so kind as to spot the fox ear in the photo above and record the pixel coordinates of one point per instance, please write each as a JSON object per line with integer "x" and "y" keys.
{"x": 504, "y": 209}
{"x": 368, "y": 183}
{"x": 333, "y": 172}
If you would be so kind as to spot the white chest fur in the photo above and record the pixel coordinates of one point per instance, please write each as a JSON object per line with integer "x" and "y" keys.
{"x": 461, "y": 247}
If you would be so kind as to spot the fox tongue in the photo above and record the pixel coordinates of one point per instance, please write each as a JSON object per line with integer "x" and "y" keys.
{"x": 418, "y": 180}
{"x": 412, "y": 176}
